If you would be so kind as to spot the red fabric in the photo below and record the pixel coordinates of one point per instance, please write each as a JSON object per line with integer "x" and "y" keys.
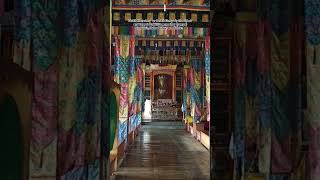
{"x": 132, "y": 46}
{"x": 45, "y": 107}
{"x": 207, "y": 44}
{"x": 296, "y": 48}
{"x": 280, "y": 156}
{"x": 251, "y": 41}
{"x": 95, "y": 42}
{"x": 314, "y": 153}
{"x": 240, "y": 66}
{"x": 75, "y": 154}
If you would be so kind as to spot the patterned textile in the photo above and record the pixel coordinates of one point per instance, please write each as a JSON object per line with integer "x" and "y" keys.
{"x": 250, "y": 135}
{"x": 280, "y": 60}
{"x": 134, "y": 93}
{"x": 314, "y": 154}
{"x": 312, "y": 21}
{"x": 300, "y": 172}
{"x": 22, "y": 44}
{"x": 66, "y": 109}
{"x": 264, "y": 51}
{"x": 122, "y": 131}
{"x": 264, "y": 150}
{"x": 279, "y": 177}
{"x": 280, "y": 72}
{"x": 313, "y": 115}
{"x": 186, "y": 90}
{"x": 239, "y": 147}
{"x": 122, "y": 74}
{"x": 281, "y": 132}
{"x": 79, "y": 139}
{"x": 195, "y": 89}
{"x": 45, "y": 105}
{"x": 129, "y": 74}
{"x": 45, "y": 35}
{"x": 313, "y": 85}
{"x": 207, "y": 65}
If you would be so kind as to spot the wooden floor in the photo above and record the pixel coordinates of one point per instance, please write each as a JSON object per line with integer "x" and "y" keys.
{"x": 164, "y": 150}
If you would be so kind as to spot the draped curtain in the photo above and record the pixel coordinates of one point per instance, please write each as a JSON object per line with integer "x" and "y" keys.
{"x": 266, "y": 94}
{"x": 62, "y": 42}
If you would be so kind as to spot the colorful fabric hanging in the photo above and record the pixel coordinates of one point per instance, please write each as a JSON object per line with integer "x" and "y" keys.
{"x": 44, "y": 35}
{"x": 264, "y": 115}
{"x": 79, "y": 139}
{"x": 264, "y": 51}
{"x": 122, "y": 74}
{"x": 313, "y": 115}
{"x": 207, "y": 75}
{"x": 186, "y": 85}
{"x": 312, "y": 21}
{"x": 67, "y": 65}
{"x": 195, "y": 82}
{"x": 22, "y": 43}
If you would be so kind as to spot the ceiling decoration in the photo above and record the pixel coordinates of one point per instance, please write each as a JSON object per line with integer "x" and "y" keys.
{"x": 159, "y": 4}
{"x": 198, "y": 18}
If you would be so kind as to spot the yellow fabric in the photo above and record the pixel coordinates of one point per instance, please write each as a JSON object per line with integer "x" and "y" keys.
{"x": 70, "y": 66}
{"x": 300, "y": 172}
{"x": 280, "y": 60}
{"x": 124, "y": 46}
{"x": 189, "y": 119}
{"x": 132, "y": 86}
{"x": 255, "y": 177}
{"x": 313, "y": 85}
{"x": 197, "y": 80}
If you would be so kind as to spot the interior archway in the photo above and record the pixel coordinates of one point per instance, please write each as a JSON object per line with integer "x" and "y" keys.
{"x": 11, "y": 156}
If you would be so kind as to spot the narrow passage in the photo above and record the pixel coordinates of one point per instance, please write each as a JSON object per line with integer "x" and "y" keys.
{"x": 164, "y": 150}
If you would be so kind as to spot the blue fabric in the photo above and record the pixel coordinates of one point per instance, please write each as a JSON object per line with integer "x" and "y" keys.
{"x": 87, "y": 102}
{"x": 23, "y": 21}
{"x": 71, "y": 22}
{"x": 251, "y": 77}
{"x": 207, "y": 64}
{"x": 196, "y": 65}
{"x": 279, "y": 177}
{"x": 122, "y": 131}
{"x": 239, "y": 133}
{"x": 278, "y": 15}
{"x": 264, "y": 105}
{"x": 312, "y": 21}
{"x": 45, "y": 33}
{"x": 123, "y": 69}
{"x": 281, "y": 124}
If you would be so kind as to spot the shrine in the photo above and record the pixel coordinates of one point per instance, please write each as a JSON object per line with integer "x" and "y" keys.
{"x": 159, "y": 89}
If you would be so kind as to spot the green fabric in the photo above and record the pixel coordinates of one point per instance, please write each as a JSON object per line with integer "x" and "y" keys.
{"x": 113, "y": 119}
{"x": 11, "y": 139}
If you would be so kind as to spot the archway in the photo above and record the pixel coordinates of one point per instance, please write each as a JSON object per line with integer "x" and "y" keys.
{"x": 11, "y": 156}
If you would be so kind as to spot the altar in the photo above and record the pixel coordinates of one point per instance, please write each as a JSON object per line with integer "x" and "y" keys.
{"x": 163, "y": 92}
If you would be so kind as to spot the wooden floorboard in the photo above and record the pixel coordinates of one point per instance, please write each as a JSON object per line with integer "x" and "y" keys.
{"x": 164, "y": 150}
